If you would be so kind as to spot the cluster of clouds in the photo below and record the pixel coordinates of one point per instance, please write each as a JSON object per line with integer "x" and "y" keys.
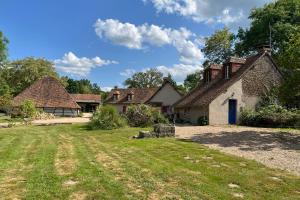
{"x": 72, "y": 64}
{"x": 137, "y": 37}
{"x": 232, "y": 13}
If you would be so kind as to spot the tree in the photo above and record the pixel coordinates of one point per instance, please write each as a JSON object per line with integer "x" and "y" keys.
{"x": 83, "y": 86}
{"x": 150, "y": 78}
{"x": 283, "y": 18}
{"x": 3, "y": 48}
{"x": 290, "y": 59}
{"x": 20, "y": 74}
{"x": 219, "y": 46}
{"x": 192, "y": 80}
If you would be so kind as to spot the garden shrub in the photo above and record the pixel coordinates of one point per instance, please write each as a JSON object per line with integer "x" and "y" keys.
{"x": 271, "y": 116}
{"x": 107, "y": 118}
{"x": 202, "y": 121}
{"x": 144, "y": 115}
{"x": 28, "y": 109}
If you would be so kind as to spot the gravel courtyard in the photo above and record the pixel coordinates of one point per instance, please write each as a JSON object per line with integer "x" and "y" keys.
{"x": 271, "y": 147}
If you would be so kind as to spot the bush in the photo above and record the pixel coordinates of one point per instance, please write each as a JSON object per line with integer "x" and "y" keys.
{"x": 271, "y": 116}
{"x": 107, "y": 118}
{"x": 28, "y": 109}
{"x": 202, "y": 121}
{"x": 144, "y": 115}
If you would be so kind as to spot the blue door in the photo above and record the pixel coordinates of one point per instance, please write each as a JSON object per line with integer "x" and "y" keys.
{"x": 232, "y": 111}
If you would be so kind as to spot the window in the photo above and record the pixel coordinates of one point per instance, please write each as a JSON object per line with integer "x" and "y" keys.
{"x": 207, "y": 76}
{"x": 227, "y": 72}
{"x": 129, "y": 97}
{"x": 115, "y": 97}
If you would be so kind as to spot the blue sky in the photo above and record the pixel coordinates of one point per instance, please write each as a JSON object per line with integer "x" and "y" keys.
{"x": 108, "y": 40}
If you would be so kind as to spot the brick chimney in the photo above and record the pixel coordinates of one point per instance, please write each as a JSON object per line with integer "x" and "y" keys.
{"x": 264, "y": 49}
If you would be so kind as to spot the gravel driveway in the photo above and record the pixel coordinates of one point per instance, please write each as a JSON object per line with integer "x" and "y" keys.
{"x": 271, "y": 147}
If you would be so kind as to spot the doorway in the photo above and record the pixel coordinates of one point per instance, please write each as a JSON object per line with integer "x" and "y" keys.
{"x": 232, "y": 111}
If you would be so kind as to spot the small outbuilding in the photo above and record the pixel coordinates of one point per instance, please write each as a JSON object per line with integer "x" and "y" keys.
{"x": 49, "y": 95}
{"x": 87, "y": 102}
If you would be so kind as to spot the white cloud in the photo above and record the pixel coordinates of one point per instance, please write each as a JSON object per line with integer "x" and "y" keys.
{"x": 232, "y": 13}
{"x": 179, "y": 71}
{"x": 127, "y": 72}
{"x": 74, "y": 65}
{"x": 135, "y": 37}
{"x": 125, "y": 34}
{"x": 106, "y": 89}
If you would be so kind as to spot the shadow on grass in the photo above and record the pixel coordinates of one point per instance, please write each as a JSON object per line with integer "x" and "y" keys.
{"x": 249, "y": 140}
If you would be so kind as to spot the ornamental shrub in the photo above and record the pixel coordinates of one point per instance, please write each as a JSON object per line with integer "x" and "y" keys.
{"x": 271, "y": 116}
{"x": 28, "y": 109}
{"x": 106, "y": 118}
{"x": 143, "y": 115}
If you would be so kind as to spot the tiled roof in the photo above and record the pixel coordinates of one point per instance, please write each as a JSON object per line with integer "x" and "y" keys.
{"x": 205, "y": 93}
{"x": 91, "y": 98}
{"x": 140, "y": 95}
{"x": 47, "y": 92}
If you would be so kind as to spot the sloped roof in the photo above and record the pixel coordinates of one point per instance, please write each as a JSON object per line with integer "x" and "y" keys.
{"x": 91, "y": 98}
{"x": 205, "y": 93}
{"x": 47, "y": 92}
{"x": 141, "y": 95}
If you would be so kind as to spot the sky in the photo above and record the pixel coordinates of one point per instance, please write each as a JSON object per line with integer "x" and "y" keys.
{"x": 106, "y": 41}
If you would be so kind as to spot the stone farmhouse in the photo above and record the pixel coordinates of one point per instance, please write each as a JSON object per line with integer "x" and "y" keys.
{"x": 163, "y": 97}
{"x": 229, "y": 88}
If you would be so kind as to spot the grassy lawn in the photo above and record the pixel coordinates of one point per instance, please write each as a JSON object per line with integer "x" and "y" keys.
{"x": 70, "y": 162}
{"x": 7, "y": 119}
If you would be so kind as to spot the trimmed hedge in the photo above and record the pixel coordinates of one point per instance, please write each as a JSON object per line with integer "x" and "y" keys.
{"x": 271, "y": 116}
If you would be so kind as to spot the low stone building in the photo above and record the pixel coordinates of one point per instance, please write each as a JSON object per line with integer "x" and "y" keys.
{"x": 49, "y": 95}
{"x": 229, "y": 88}
{"x": 87, "y": 102}
{"x": 163, "y": 97}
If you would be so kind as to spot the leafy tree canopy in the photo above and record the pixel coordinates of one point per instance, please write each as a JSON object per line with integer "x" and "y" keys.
{"x": 20, "y": 74}
{"x": 192, "y": 80}
{"x": 83, "y": 86}
{"x": 3, "y": 47}
{"x": 219, "y": 46}
{"x": 148, "y": 79}
{"x": 283, "y": 16}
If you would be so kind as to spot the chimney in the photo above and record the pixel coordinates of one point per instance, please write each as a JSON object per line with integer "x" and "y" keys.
{"x": 265, "y": 49}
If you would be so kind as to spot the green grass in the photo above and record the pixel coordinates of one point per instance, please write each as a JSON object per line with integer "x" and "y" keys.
{"x": 8, "y": 119}
{"x": 70, "y": 162}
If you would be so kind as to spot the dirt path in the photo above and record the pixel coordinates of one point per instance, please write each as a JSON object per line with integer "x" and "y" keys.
{"x": 273, "y": 148}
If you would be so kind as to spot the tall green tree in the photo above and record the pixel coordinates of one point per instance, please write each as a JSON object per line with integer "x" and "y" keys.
{"x": 290, "y": 59}
{"x": 3, "y": 48}
{"x": 20, "y": 74}
{"x": 282, "y": 16}
{"x": 150, "y": 78}
{"x": 83, "y": 86}
{"x": 219, "y": 46}
{"x": 192, "y": 80}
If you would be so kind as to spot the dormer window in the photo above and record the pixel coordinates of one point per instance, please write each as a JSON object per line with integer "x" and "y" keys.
{"x": 116, "y": 95}
{"x": 207, "y": 76}
{"x": 130, "y": 96}
{"x": 227, "y": 72}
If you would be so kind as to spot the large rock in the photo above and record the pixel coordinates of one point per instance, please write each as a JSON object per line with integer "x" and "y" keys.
{"x": 160, "y": 130}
